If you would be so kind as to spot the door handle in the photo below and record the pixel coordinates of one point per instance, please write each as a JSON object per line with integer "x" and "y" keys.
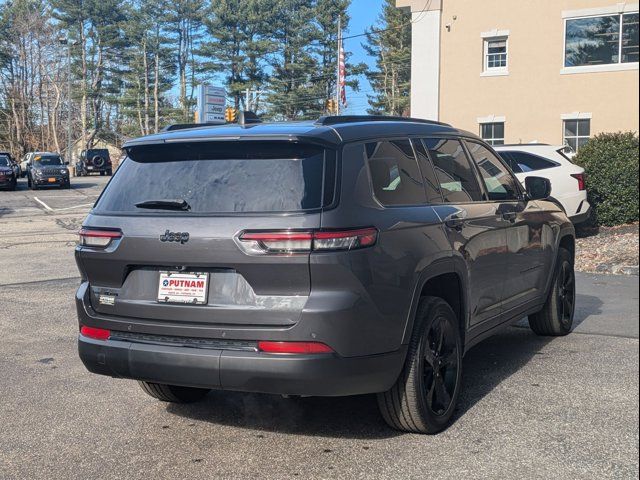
{"x": 509, "y": 216}
{"x": 454, "y": 222}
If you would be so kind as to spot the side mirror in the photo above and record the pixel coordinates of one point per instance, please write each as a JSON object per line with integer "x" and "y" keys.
{"x": 538, "y": 188}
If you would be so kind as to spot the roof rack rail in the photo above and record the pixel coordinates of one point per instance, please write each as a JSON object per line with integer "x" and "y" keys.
{"x": 337, "y": 119}
{"x": 185, "y": 126}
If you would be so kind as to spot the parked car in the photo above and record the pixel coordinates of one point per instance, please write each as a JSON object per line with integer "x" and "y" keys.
{"x": 8, "y": 178}
{"x": 46, "y": 169}
{"x": 353, "y": 255}
{"x": 24, "y": 164}
{"x": 14, "y": 165}
{"x": 96, "y": 160}
{"x": 568, "y": 188}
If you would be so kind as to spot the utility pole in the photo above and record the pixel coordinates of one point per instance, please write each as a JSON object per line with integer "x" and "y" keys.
{"x": 65, "y": 41}
{"x": 338, "y": 70}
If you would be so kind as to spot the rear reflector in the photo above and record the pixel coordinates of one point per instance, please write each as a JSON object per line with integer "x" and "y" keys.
{"x": 95, "y": 333}
{"x": 581, "y": 180}
{"x": 303, "y": 242}
{"x": 98, "y": 238}
{"x": 294, "y": 347}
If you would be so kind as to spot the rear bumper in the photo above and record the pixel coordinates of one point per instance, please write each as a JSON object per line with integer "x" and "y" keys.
{"x": 313, "y": 375}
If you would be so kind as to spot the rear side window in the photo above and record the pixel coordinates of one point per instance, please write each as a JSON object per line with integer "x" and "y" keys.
{"x": 527, "y": 162}
{"x": 456, "y": 176}
{"x": 395, "y": 175}
{"x": 220, "y": 178}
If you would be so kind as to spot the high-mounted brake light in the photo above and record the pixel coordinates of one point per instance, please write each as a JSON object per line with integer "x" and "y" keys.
{"x": 581, "y": 180}
{"x": 98, "y": 238}
{"x": 294, "y": 347}
{"x": 95, "y": 333}
{"x": 290, "y": 242}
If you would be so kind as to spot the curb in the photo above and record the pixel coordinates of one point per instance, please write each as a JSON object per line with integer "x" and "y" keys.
{"x": 617, "y": 269}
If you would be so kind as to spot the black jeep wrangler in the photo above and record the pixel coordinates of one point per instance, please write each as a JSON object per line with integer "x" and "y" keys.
{"x": 95, "y": 160}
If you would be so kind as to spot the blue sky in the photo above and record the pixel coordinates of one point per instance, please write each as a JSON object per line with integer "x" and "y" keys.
{"x": 364, "y": 14}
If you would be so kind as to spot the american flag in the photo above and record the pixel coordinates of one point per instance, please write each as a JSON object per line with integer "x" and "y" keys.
{"x": 342, "y": 74}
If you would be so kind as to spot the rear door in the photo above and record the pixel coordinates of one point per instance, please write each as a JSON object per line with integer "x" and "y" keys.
{"x": 224, "y": 189}
{"x": 474, "y": 226}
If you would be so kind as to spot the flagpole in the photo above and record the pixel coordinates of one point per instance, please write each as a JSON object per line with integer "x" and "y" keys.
{"x": 338, "y": 73}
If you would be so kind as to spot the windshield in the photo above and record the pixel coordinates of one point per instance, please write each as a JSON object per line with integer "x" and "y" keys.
{"x": 4, "y": 161}
{"x": 222, "y": 178}
{"x": 47, "y": 160}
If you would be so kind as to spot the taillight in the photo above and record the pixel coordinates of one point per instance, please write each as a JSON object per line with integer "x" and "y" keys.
{"x": 294, "y": 347}
{"x": 98, "y": 238}
{"x": 291, "y": 242}
{"x": 95, "y": 333}
{"x": 581, "y": 180}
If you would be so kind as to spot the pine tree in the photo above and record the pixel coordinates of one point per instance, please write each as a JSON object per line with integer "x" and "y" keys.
{"x": 294, "y": 91}
{"x": 390, "y": 44}
{"x": 184, "y": 25}
{"x": 237, "y": 45}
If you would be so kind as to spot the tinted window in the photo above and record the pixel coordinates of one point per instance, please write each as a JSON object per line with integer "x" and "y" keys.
{"x": 44, "y": 160}
{"x": 224, "y": 177}
{"x": 394, "y": 171}
{"x": 4, "y": 161}
{"x": 428, "y": 173}
{"x": 501, "y": 185}
{"x": 457, "y": 179}
{"x": 527, "y": 162}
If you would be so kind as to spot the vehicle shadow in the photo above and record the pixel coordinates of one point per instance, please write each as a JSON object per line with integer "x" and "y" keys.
{"x": 586, "y": 305}
{"x": 82, "y": 184}
{"x": 484, "y": 367}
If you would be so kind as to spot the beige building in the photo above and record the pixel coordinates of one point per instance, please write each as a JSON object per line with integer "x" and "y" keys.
{"x": 515, "y": 71}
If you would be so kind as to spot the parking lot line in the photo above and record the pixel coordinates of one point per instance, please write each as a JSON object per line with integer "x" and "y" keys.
{"x": 46, "y": 207}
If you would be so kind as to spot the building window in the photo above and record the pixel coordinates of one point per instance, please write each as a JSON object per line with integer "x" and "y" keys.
{"x": 495, "y": 54}
{"x": 576, "y": 133}
{"x": 492, "y": 133}
{"x": 601, "y": 40}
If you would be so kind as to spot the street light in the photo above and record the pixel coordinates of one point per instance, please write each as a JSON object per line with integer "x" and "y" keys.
{"x": 65, "y": 42}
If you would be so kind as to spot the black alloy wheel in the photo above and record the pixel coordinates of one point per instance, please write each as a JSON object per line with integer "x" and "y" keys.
{"x": 440, "y": 365}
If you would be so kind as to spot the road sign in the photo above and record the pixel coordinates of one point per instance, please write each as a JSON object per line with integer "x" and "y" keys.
{"x": 211, "y": 103}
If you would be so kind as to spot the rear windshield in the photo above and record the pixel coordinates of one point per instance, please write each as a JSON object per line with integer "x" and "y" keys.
{"x": 215, "y": 178}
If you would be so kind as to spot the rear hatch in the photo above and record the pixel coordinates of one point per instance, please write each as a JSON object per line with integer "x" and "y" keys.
{"x": 177, "y": 211}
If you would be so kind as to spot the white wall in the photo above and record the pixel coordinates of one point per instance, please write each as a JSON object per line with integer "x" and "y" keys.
{"x": 425, "y": 64}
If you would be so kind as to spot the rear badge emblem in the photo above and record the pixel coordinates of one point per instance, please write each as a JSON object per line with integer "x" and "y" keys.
{"x": 180, "y": 237}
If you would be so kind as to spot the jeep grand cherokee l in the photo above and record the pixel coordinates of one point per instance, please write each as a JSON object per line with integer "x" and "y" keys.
{"x": 348, "y": 256}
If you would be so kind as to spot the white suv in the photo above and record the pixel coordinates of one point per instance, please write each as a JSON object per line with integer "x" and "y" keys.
{"x": 568, "y": 187}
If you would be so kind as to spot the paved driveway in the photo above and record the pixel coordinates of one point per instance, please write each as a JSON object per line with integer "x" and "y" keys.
{"x": 531, "y": 408}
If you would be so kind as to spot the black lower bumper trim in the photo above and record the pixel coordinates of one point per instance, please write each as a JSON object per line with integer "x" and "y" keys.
{"x": 313, "y": 375}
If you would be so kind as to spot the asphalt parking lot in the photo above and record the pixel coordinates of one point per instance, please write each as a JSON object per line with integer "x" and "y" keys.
{"x": 531, "y": 407}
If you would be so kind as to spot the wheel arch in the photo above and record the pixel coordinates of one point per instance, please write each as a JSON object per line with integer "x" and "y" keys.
{"x": 446, "y": 280}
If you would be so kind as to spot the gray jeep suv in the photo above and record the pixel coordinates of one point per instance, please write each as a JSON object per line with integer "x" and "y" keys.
{"x": 351, "y": 255}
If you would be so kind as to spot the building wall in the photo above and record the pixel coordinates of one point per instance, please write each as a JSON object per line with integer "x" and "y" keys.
{"x": 534, "y": 95}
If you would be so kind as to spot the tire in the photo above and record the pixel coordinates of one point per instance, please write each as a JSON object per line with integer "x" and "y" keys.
{"x": 173, "y": 393}
{"x": 423, "y": 399}
{"x": 556, "y": 317}
{"x": 109, "y": 173}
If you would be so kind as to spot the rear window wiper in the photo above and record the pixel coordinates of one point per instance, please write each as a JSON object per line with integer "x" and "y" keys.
{"x": 178, "y": 204}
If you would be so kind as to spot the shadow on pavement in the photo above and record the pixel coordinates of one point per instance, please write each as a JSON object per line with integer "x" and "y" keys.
{"x": 485, "y": 367}
{"x": 586, "y": 305}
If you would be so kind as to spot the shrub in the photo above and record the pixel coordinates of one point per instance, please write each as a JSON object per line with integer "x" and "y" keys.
{"x": 610, "y": 161}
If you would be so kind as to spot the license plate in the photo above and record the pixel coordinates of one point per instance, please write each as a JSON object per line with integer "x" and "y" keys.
{"x": 51, "y": 180}
{"x": 175, "y": 287}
